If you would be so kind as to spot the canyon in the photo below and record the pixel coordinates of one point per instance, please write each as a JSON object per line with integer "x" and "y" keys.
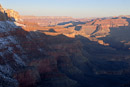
{"x": 67, "y": 53}
{"x": 51, "y": 20}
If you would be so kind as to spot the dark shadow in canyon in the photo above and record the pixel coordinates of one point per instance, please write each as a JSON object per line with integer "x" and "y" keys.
{"x": 97, "y": 29}
{"x": 128, "y": 19}
{"x": 52, "y": 30}
{"x": 73, "y": 22}
{"x": 78, "y": 28}
{"x": 93, "y": 64}
{"x": 98, "y": 58}
{"x": 60, "y": 58}
{"x": 118, "y": 37}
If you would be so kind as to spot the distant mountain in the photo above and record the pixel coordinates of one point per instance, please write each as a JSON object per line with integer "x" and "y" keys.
{"x": 50, "y": 20}
{"x": 95, "y": 29}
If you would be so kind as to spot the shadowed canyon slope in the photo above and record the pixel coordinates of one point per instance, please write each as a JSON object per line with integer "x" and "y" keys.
{"x": 95, "y": 53}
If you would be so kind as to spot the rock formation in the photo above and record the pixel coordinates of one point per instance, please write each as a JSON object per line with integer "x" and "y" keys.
{"x": 51, "y": 20}
{"x": 8, "y": 14}
{"x": 13, "y": 15}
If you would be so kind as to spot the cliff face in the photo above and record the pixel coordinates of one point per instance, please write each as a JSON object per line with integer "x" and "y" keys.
{"x": 13, "y": 15}
{"x": 26, "y": 60}
{"x": 3, "y": 16}
{"x": 8, "y": 14}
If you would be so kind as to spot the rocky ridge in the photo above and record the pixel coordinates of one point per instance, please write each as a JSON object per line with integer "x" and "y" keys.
{"x": 51, "y": 20}
{"x": 9, "y": 14}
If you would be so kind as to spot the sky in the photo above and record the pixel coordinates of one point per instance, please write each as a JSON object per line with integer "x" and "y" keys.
{"x": 74, "y": 8}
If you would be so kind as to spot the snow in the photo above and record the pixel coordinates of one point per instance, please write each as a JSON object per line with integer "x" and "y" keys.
{"x": 40, "y": 49}
{"x": 18, "y": 46}
{"x": 28, "y": 37}
{"x": 2, "y": 26}
{"x": 18, "y": 24}
{"x": 11, "y": 24}
{"x": 10, "y": 49}
{"x": 12, "y": 39}
{"x": 4, "y": 41}
{"x": 6, "y": 26}
{"x": 8, "y": 79}
{"x": 6, "y": 69}
{"x": 18, "y": 60}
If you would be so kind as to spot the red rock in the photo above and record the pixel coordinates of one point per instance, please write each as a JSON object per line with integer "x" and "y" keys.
{"x": 28, "y": 77}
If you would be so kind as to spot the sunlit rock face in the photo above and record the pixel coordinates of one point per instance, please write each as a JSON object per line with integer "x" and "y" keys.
{"x": 13, "y": 15}
{"x": 8, "y": 14}
{"x": 47, "y": 20}
{"x": 52, "y": 20}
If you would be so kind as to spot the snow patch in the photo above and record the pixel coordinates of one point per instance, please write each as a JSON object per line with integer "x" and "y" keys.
{"x": 12, "y": 39}
{"x": 40, "y": 49}
{"x": 18, "y": 24}
{"x": 18, "y": 60}
{"x": 6, "y": 69}
{"x": 8, "y": 80}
